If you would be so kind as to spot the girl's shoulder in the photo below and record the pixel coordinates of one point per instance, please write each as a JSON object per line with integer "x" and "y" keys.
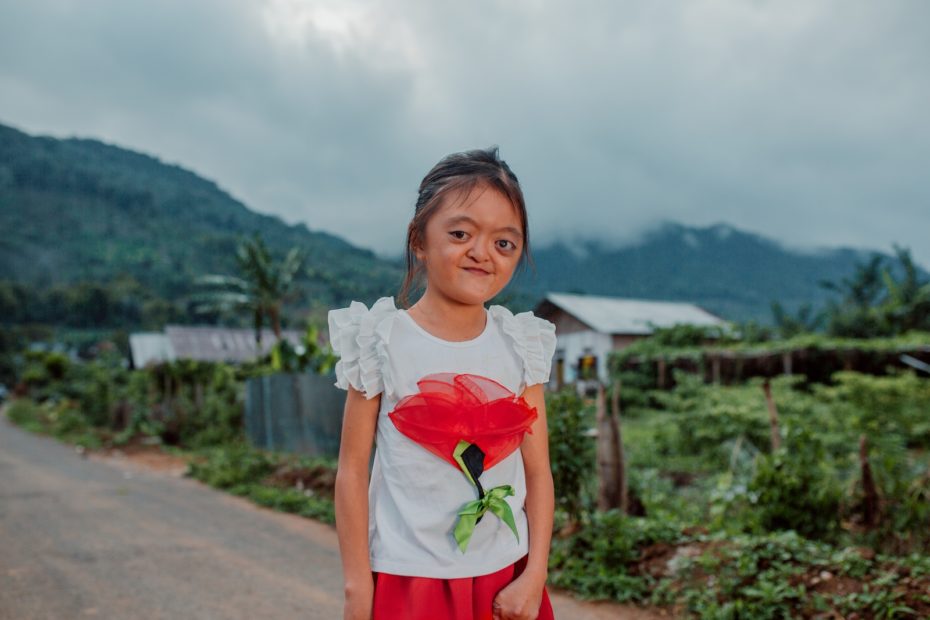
{"x": 359, "y": 336}
{"x": 532, "y": 337}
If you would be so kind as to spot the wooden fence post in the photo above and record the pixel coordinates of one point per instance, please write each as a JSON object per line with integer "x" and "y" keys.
{"x": 773, "y": 416}
{"x": 870, "y": 507}
{"x": 609, "y": 485}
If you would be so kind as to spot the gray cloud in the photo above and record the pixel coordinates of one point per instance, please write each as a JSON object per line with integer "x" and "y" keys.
{"x": 799, "y": 120}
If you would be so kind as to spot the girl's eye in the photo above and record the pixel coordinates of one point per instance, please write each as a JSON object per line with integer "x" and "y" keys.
{"x": 454, "y": 233}
{"x": 513, "y": 246}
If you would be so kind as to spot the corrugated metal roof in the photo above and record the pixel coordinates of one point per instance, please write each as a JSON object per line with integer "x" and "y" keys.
{"x": 204, "y": 343}
{"x": 221, "y": 343}
{"x": 618, "y": 315}
{"x": 146, "y": 347}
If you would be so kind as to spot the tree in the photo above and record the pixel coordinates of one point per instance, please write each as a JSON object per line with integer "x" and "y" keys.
{"x": 874, "y": 303}
{"x": 261, "y": 290}
{"x": 907, "y": 304}
{"x": 804, "y": 321}
{"x": 855, "y": 315}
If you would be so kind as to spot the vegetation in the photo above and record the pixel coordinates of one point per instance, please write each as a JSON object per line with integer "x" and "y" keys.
{"x": 261, "y": 290}
{"x": 285, "y": 482}
{"x": 732, "y": 528}
{"x": 735, "y": 529}
{"x": 874, "y": 303}
{"x": 193, "y": 408}
{"x": 771, "y": 496}
{"x": 132, "y": 233}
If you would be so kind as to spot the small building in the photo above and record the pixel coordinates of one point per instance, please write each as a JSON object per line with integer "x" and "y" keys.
{"x": 146, "y": 348}
{"x": 204, "y": 343}
{"x": 590, "y": 326}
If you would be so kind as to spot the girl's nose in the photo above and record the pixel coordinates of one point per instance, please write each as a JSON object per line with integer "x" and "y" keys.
{"x": 478, "y": 252}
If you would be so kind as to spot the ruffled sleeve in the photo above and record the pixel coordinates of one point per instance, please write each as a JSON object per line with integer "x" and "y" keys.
{"x": 359, "y": 336}
{"x": 533, "y": 339}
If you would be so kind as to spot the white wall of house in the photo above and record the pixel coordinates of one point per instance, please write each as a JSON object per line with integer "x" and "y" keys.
{"x": 575, "y": 345}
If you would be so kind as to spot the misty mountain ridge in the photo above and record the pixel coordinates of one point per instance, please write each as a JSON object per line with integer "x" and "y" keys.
{"x": 733, "y": 273}
{"x": 78, "y": 209}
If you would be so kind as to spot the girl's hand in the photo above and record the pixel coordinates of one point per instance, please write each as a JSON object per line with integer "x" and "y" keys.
{"x": 519, "y": 600}
{"x": 358, "y": 604}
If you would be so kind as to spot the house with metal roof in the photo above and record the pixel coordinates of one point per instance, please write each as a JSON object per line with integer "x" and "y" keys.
{"x": 589, "y": 327}
{"x": 204, "y": 343}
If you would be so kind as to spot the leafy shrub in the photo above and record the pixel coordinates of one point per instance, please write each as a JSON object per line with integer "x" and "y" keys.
{"x": 219, "y": 419}
{"x": 60, "y": 418}
{"x": 232, "y": 466}
{"x": 25, "y": 412}
{"x": 793, "y": 488}
{"x": 243, "y": 470}
{"x": 293, "y": 500}
{"x": 595, "y": 562}
{"x": 897, "y": 405}
{"x": 783, "y": 575}
{"x": 571, "y": 451}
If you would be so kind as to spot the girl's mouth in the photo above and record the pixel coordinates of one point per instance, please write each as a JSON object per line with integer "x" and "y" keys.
{"x": 477, "y": 272}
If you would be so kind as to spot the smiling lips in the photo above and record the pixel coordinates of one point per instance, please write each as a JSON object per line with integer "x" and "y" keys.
{"x": 476, "y": 271}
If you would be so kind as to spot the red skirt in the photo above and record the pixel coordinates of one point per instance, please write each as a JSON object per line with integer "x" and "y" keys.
{"x": 401, "y": 597}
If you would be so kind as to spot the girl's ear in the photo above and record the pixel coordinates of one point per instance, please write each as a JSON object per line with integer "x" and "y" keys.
{"x": 417, "y": 246}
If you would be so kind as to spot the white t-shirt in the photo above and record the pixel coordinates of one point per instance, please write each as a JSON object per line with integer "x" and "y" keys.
{"x": 414, "y": 495}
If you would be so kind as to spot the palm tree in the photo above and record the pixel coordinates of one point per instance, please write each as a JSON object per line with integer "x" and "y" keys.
{"x": 907, "y": 304}
{"x": 874, "y": 303}
{"x": 856, "y": 314}
{"x": 262, "y": 289}
{"x": 804, "y": 321}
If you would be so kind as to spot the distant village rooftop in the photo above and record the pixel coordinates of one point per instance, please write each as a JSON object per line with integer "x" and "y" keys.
{"x": 203, "y": 343}
{"x": 623, "y": 315}
{"x": 590, "y": 327}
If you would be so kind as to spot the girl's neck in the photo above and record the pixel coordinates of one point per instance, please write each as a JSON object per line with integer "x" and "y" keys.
{"x": 448, "y": 318}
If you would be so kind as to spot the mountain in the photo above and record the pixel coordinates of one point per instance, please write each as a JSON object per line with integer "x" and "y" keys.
{"x": 87, "y": 224}
{"x": 732, "y": 273}
{"x": 79, "y": 210}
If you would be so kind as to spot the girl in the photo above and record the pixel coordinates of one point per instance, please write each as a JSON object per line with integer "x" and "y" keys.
{"x": 456, "y": 519}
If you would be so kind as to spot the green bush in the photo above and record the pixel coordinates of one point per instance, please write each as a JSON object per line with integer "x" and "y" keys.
{"x": 233, "y": 465}
{"x": 794, "y": 488}
{"x": 765, "y": 577}
{"x": 219, "y": 419}
{"x": 60, "y": 418}
{"x": 241, "y": 469}
{"x": 897, "y": 405}
{"x": 293, "y": 500}
{"x": 595, "y": 562}
{"x": 571, "y": 451}
{"x": 25, "y": 412}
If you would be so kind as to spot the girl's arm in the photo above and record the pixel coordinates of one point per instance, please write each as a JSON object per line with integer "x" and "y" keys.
{"x": 540, "y": 494}
{"x": 522, "y": 597}
{"x": 351, "y": 495}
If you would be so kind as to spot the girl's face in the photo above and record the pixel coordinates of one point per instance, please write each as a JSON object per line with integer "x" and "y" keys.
{"x": 472, "y": 246}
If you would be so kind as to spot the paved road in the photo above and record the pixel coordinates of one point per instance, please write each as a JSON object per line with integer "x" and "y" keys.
{"x": 85, "y": 538}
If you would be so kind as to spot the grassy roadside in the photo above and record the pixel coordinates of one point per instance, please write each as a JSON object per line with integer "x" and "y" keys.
{"x": 282, "y": 481}
{"x": 681, "y": 571}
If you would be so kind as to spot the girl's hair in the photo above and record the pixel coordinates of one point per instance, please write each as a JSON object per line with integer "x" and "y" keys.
{"x": 460, "y": 171}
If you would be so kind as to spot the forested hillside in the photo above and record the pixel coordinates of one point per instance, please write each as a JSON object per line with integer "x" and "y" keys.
{"x": 96, "y": 235}
{"x": 82, "y": 219}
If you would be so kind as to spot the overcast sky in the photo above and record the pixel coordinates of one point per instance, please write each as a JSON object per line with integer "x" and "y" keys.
{"x": 806, "y": 121}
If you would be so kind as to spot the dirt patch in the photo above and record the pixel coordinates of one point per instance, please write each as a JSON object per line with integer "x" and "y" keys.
{"x": 910, "y": 590}
{"x": 140, "y": 455}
